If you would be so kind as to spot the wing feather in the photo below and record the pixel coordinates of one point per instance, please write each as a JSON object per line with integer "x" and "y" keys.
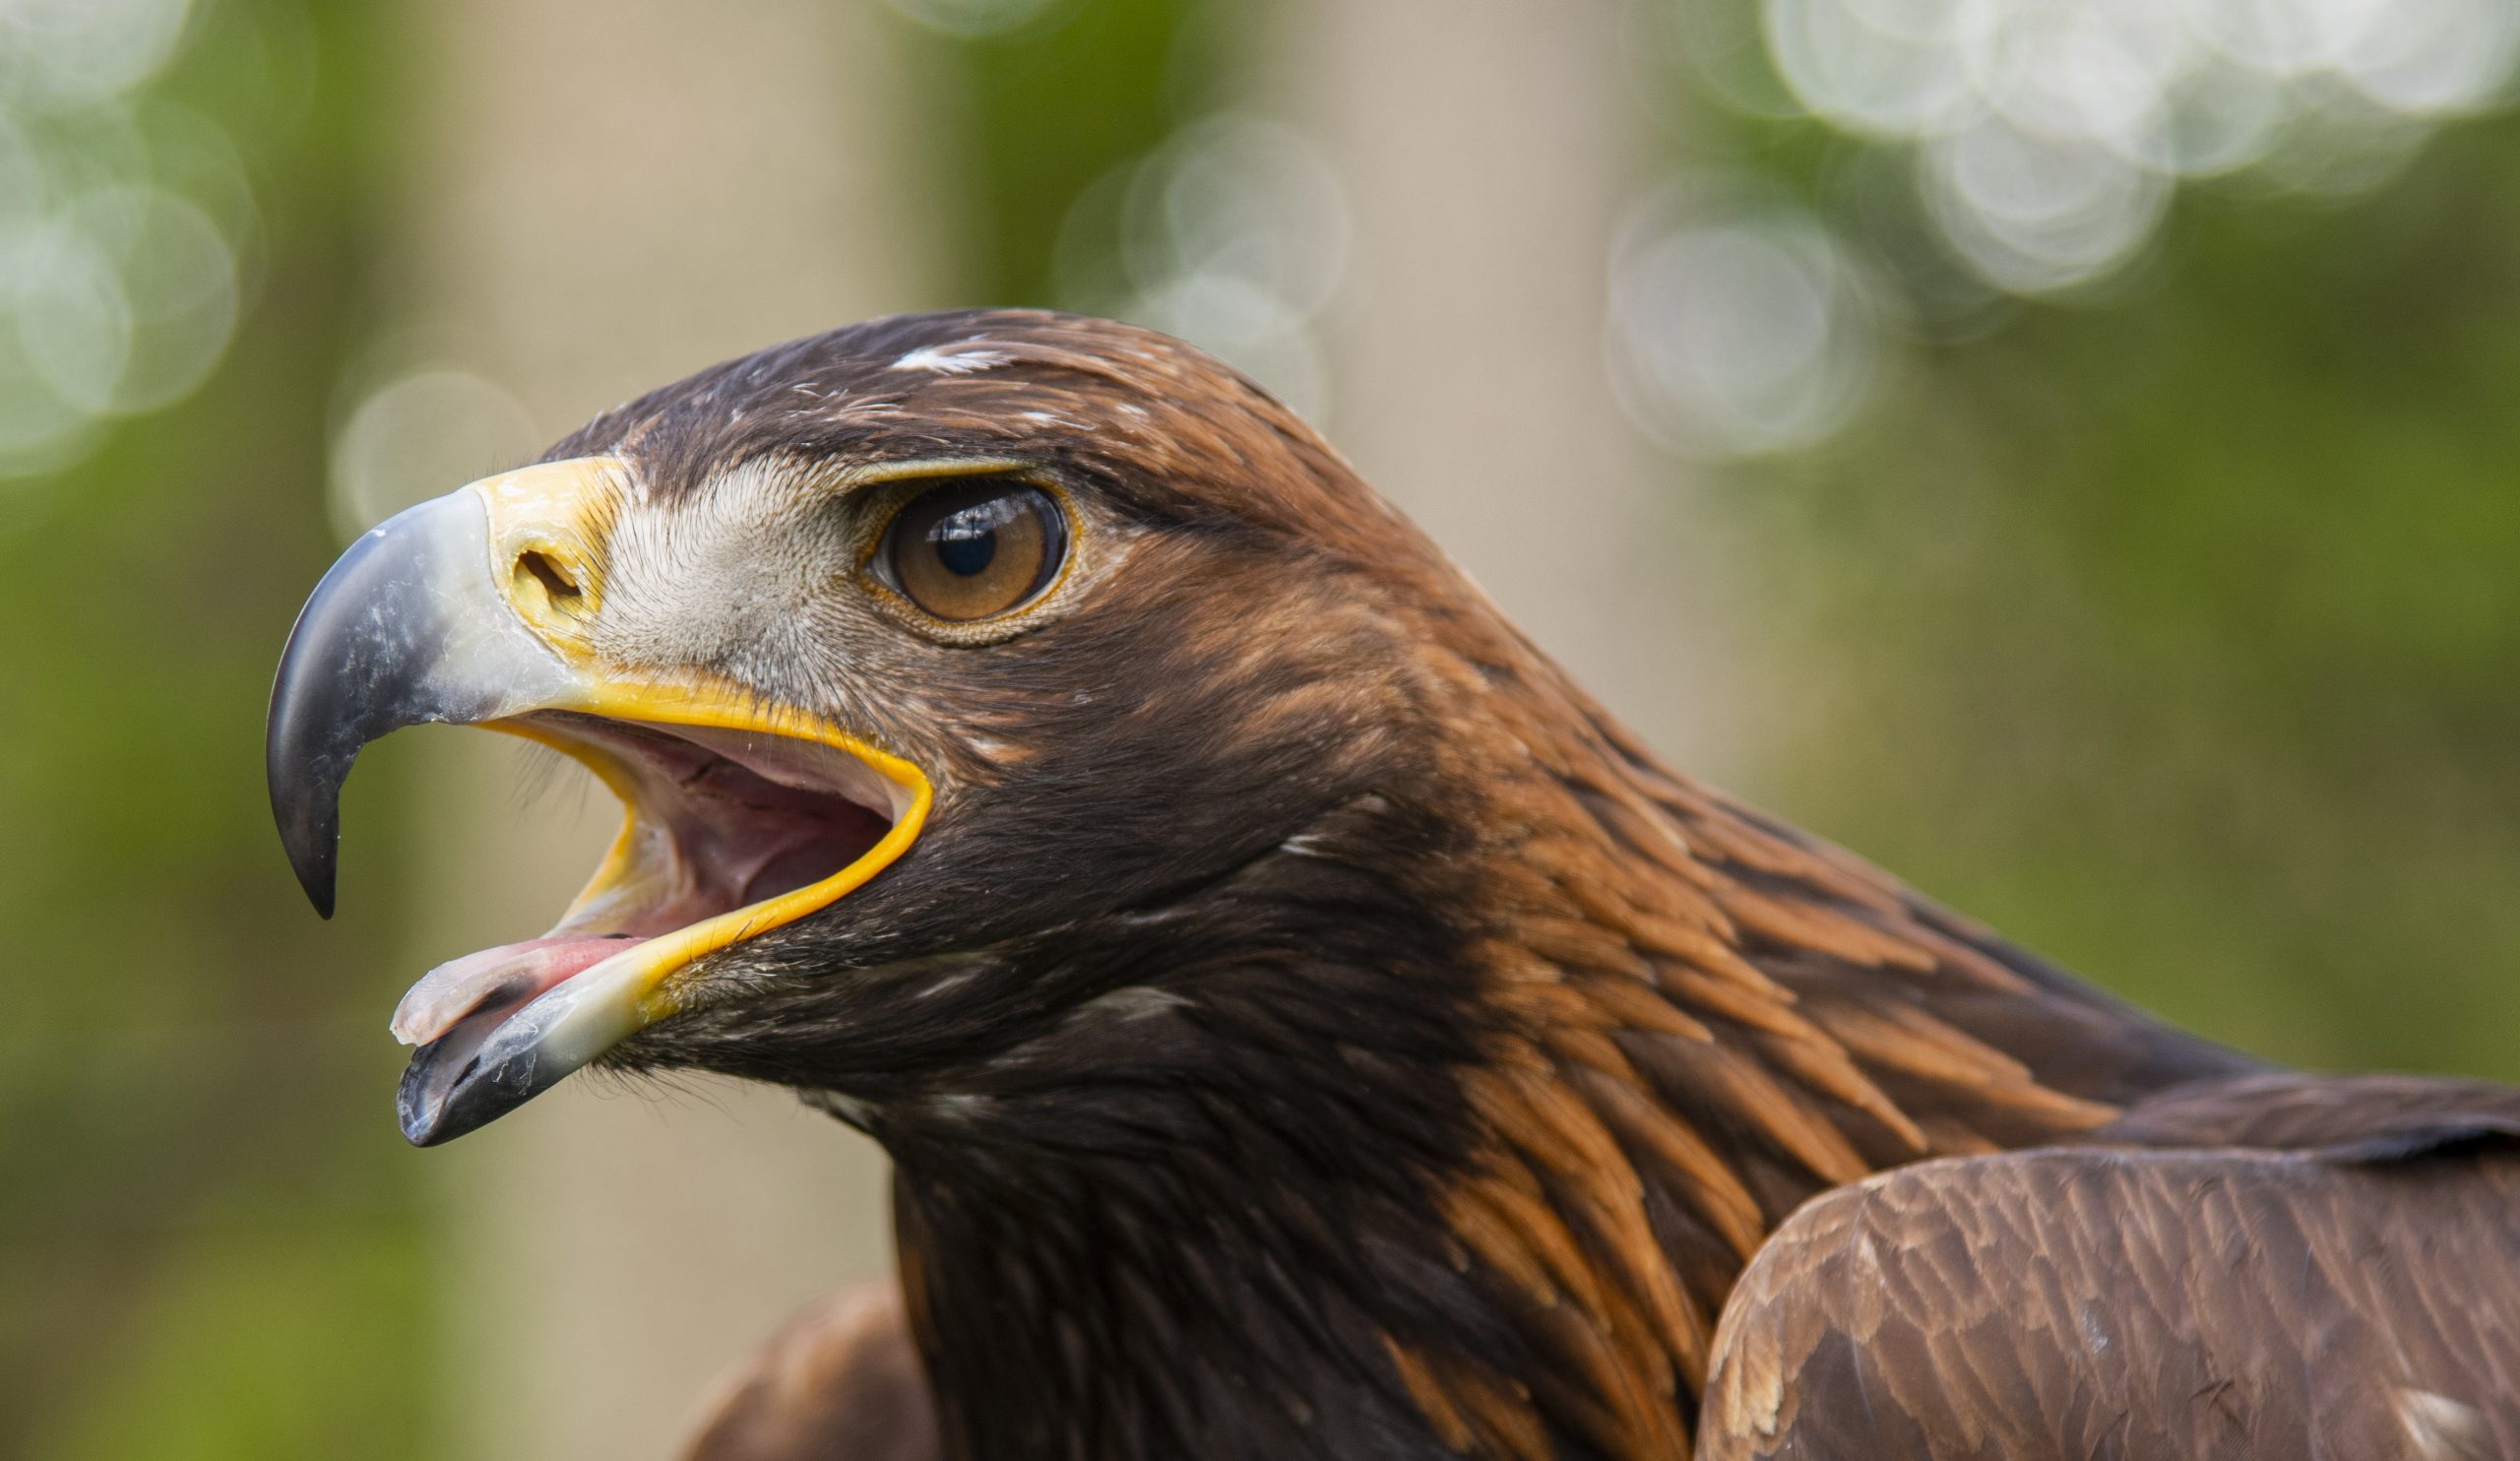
{"x": 2082, "y": 1301}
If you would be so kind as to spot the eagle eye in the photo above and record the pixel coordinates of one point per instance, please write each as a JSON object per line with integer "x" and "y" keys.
{"x": 974, "y": 549}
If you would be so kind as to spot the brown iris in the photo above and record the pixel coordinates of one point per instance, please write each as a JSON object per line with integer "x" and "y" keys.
{"x": 970, "y": 550}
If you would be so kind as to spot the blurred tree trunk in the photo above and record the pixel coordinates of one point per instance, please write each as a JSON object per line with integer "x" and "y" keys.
{"x": 1488, "y": 149}
{"x": 609, "y": 195}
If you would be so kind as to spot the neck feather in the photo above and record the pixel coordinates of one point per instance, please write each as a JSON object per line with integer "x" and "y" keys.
{"x": 1445, "y": 1128}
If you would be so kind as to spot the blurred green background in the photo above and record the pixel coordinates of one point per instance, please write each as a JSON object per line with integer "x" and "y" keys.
{"x": 2126, "y": 558}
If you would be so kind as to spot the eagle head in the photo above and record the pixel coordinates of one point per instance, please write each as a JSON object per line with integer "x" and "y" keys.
{"x": 1000, "y": 703}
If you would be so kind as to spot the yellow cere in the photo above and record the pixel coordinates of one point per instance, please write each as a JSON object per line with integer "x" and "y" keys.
{"x": 544, "y": 524}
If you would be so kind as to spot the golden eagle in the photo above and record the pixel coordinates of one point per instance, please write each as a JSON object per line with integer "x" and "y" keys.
{"x": 1302, "y": 1022}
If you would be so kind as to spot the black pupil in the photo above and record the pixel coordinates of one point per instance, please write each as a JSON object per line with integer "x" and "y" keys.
{"x": 967, "y": 540}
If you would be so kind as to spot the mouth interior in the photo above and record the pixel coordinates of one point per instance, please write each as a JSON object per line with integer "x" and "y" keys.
{"x": 719, "y": 820}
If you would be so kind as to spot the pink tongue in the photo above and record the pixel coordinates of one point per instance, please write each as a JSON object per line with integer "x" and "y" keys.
{"x": 510, "y": 973}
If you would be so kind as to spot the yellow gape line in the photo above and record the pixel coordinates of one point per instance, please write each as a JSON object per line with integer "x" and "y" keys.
{"x": 650, "y": 965}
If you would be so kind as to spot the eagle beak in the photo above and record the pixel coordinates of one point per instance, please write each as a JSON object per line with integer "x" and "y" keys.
{"x": 740, "y": 817}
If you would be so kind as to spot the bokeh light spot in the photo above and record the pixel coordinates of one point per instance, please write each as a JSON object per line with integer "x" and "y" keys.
{"x": 121, "y": 216}
{"x": 2048, "y": 132}
{"x": 73, "y": 324}
{"x": 1233, "y": 235}
{"x": 420, "y": 435}
{"x": 1738, "y": 330}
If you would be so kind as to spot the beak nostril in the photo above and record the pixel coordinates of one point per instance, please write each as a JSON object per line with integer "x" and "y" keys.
{"x": 557, "y": 584}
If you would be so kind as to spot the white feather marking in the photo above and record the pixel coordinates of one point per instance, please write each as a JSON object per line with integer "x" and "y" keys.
{"x": 950, "y": 980}
{"x": 962, "y": 359}
{"x": 2442, "y": 1428}
{"x": 992, "y": 749}
{"x": 959, "y": 1106}
{"x": 849, "y": 1108}
{"x": 1132, "y": 1003}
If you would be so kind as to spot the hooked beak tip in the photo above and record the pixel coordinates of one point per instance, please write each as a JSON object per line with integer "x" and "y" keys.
{"x": 311, "y": 852}
{"x": 407, "y": 627}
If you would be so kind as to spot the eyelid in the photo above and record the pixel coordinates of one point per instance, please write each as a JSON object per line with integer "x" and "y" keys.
{"x": 929, "y": 468}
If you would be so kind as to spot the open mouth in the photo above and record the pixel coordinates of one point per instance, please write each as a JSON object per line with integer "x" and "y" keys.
{"x": 729, "y": 832}
{"x": 742, "y": 815}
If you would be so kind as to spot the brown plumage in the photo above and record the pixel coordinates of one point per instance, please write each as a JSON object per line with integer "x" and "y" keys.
{"x": 1310, "y": 1026}
{"x": 2224, "y": 1303}
{"x": 840, "y": 1380}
